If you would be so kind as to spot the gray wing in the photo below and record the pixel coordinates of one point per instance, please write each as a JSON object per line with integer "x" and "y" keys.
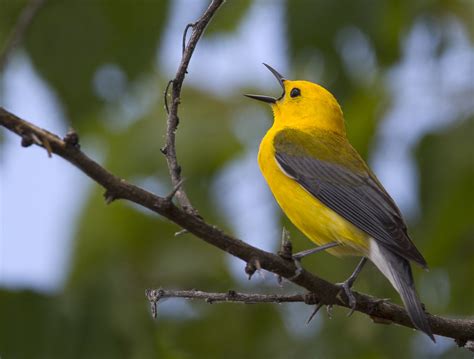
{"x": 355, "y": 196}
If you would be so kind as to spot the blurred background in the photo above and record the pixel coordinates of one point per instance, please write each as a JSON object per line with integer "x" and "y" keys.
{"x": 73, "y": 271}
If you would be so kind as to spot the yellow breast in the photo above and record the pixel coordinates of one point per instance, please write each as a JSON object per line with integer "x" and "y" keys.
{"x": 319, "y": 223}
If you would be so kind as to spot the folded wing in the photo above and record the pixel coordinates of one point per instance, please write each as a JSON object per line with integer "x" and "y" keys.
{"x": 332, "y": 171}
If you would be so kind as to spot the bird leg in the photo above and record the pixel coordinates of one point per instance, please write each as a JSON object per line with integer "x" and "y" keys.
{"x": 287, "y": 248}
{"x": 349, "y": 282}
{"x": 300, "y": 255}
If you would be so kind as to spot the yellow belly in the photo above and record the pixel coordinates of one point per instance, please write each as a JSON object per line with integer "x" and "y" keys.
{"x": 319, "y": 223}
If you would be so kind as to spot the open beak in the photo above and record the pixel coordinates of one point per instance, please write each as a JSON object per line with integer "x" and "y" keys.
{"x": 269, "y": 99}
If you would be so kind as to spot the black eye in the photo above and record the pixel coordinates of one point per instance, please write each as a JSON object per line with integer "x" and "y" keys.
{"x": 295, "y": 92}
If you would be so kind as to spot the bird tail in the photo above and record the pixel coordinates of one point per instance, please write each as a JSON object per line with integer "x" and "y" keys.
{"x": 398, "y": 271}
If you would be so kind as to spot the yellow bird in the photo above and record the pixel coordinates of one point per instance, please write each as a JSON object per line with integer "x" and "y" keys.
{"x": 328, "y": 191}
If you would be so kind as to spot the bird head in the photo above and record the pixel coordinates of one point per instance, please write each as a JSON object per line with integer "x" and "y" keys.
{"x": 304, "y": 104}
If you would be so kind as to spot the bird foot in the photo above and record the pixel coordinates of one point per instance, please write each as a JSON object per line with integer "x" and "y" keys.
{"x": 346, "y": 287}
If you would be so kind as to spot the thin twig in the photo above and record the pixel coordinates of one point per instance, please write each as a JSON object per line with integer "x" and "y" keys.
{"x": 173, "y": 119}
{"x": 16, "y": 36}
{"x": 154, "y": 295}
{"x": 231, "y": 296}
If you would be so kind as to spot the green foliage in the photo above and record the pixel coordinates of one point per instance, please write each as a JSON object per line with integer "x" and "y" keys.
{"x": 446, "y": 165}
{"x": 8, "y": 17}
{"x": 119, "y": 249}
{"x": 70, "y": 40}
{"x": 229, "y": 17}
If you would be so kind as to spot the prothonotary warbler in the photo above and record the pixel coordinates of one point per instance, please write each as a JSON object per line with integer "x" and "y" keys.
{"x": 328, "y": 191}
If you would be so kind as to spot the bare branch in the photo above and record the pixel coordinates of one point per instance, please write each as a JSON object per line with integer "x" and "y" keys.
{"x": 173, "y": 120}
{"x": 24, "y": 21}
{"x": 154, "y": 295}
{"x": 462, "y": 330}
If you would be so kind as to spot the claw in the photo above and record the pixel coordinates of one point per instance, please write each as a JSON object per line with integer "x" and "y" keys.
{"x": 346, "y": 286}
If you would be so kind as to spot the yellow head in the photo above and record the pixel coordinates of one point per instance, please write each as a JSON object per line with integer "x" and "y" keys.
{"x": 304, "y": 104}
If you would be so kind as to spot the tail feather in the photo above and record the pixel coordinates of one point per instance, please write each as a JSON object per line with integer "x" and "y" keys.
{"x": 398, "y": 271}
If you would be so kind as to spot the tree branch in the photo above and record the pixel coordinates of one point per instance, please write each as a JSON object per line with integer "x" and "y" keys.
{"x": 24, "y": 21}
{"x": 322, "y": 292}
{"x": 169, "y": 149}
{"x": 154, "y": 295}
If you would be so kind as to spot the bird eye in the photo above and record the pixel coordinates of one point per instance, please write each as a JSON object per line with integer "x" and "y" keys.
{"x": 295, "y": 92}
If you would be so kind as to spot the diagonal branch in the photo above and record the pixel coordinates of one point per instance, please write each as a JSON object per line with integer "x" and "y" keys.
{"x": 173, "y": 120}
{"x": 24, "y": 21}
{"x": 462, "y": 330}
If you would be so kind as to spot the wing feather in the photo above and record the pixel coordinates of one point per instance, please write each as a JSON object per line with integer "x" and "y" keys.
{"x": 349, "y": 190}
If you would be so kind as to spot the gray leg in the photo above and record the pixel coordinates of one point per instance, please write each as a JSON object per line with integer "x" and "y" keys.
{"x": 349, "y": 282}
{"x": 300, "y": 255}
